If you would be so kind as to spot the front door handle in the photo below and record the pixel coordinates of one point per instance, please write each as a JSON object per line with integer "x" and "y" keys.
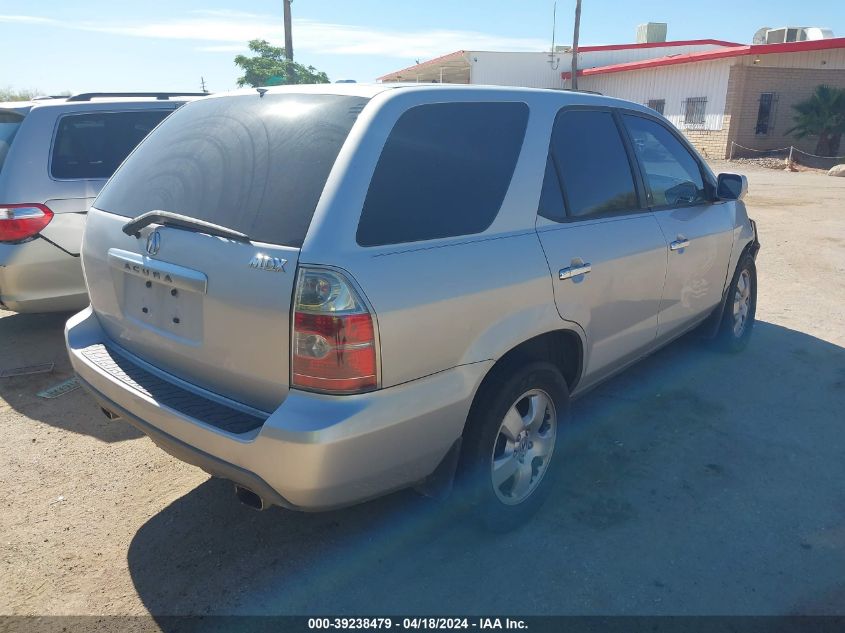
{"x": 679, "y": 243}
{"x": 574, "y": 271}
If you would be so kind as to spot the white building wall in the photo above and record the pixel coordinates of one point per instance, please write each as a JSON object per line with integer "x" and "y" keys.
{"x": 592, "y": 59}
{"x": 529, "y": 70}
{"x": 674, "y": 84}
{"x": 533, "y": 70}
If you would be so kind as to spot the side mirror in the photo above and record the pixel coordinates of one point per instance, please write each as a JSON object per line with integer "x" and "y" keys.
{"x": 732, "y": 187}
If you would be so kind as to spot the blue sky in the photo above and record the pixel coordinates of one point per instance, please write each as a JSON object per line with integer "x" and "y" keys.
{"x": 55, "y": 45}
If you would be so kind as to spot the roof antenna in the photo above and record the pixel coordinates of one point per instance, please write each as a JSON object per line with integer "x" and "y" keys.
{"x": 261, "y": 92}
{"x": 554, "y": 63}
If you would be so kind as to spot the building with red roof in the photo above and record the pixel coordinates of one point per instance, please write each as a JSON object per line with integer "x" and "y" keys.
{"x": 723, "y": 96}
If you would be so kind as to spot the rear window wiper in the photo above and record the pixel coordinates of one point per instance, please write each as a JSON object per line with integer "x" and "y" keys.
{"x": 167, "y": 218}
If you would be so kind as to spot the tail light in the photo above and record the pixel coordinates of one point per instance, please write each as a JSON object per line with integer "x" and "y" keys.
{"x": 333, "y": 336}
{"x": 21, "y": 221}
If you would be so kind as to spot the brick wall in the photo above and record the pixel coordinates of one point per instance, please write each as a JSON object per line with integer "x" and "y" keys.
{"x": 711, "y": 143}
{"x": 715, "y": 143}
{"x": 790, "y": 86}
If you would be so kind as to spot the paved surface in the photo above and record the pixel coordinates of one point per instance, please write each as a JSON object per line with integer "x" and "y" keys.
{"x": 698, "y": 483}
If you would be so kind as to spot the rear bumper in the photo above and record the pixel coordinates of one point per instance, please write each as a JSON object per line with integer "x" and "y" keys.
{"x": 37, "y": 276}
{"x": 314, "y": 452}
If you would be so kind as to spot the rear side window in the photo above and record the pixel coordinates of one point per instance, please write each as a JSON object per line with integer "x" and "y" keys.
{"x": 91, "y": 146}
{"x": 444, "y": 171}
{"x": 254, "y": 164}
{"x": 9, "y": 124}
{"x": 672, "y": 174}
{"x": 593, "y": 164}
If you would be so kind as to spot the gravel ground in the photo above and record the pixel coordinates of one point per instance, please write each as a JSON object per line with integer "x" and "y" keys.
{"x": 698, "y": 484}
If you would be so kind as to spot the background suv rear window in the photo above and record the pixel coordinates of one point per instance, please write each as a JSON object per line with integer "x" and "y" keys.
{"x": 91, "y": 146}
{"x": 254, "y": 164}
{"x": 444, "y": 171}
{"x": 9, "y": 124}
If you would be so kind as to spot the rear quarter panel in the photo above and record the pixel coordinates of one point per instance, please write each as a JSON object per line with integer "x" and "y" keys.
{"x": 452, "y": 301}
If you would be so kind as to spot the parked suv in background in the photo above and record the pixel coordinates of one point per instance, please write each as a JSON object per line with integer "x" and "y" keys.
{"x": 55, "y": 155}
{"x": 327, "y": 293}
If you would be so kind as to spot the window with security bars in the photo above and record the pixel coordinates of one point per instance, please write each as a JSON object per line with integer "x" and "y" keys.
{"x": 657, "y": 104}
{"x": 694, "y": 108}
{"x": 766, "y": 114}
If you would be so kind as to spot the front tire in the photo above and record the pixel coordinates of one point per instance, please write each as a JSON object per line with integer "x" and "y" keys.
{"x": 740, "y": 308}
{"x": 510, "y": 458}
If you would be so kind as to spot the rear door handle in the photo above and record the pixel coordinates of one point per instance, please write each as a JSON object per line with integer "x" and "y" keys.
{"x": 574, "y": 271}
{"x": 679, "y": 243}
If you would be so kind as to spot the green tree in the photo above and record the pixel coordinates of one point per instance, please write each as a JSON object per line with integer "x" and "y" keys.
{"x": 10, "y": 94}
{"x": 269, "y": 67}
{"x": 822, "y": 116}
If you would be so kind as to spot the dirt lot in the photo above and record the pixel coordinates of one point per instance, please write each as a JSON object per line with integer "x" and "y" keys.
{"x": 698, "y": 484}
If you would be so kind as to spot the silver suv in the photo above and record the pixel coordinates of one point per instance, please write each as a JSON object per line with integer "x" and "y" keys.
{"x": 328, "y": 293}
{"x": 55, "y": 155}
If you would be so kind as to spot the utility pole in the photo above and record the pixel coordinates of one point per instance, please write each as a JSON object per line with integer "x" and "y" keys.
{"x": 202, "y": 84}
{"x": 288, "y": 34}
{"x": 288, "y": 41}
{"x": 575, "y": 45}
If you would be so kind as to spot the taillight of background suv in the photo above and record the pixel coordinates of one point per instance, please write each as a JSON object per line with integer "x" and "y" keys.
{"x": 22, "y": 221}
{"x": 333, "y": 335}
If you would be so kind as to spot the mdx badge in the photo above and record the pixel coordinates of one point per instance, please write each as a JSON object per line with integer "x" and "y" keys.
{"x": 265, "y": 262}
{"x": 153, "y": 242}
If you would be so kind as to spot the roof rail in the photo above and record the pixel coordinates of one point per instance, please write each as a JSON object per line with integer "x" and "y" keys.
{"x": 588, "y": 92}
{"x": 48, "y": 97}
{"x": 162, "y": 96}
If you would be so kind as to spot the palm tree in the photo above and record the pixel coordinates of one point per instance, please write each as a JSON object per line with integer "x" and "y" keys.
{"x": 822, "y": 115}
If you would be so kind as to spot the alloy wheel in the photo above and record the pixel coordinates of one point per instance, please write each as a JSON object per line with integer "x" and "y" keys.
{"x": 523, "y": 447}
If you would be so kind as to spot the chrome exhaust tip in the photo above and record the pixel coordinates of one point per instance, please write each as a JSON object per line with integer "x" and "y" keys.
{"x": 111, "y": 415}
{"x": 249, "y": 498}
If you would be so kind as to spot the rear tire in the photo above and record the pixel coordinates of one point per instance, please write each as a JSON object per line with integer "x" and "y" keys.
{"x": 740, "y": 308}
{"x": 510, "y": 458}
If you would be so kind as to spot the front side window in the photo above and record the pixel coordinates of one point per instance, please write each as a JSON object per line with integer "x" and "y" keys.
{"x": 551, "y": 197}
{"x": 592, "y": 163}
{"x": 444, "y": 171}
{"x": 672, "y": 174}
{"x": 92, "y": 146}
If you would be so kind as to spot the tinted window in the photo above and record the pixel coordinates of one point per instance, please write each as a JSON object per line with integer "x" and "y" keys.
{"x": 9, "y": 124}
{"x": 444, "y": 171}
{"x": 672, "y": 174}
{"x": 551, "y": 199}
{"x": 254, "y": 164}
{"x": 764, "y": 113}
{"x": 92, "y": 146}
{"x": 593, "y": 164}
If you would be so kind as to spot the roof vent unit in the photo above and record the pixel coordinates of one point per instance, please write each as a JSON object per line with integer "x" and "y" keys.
{"x": 651, "y": 32}
{"x": 791, "y": 34}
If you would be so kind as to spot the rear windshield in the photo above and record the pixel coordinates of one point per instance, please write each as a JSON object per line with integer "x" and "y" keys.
{"x": 91, "y": 146}
{"x": 254, "y": 164}
{"x": 9, "y": 124}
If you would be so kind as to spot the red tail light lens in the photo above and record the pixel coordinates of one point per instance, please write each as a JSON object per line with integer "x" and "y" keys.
{"x": 333, "y": 339}
{"x": 21, "y": 221}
